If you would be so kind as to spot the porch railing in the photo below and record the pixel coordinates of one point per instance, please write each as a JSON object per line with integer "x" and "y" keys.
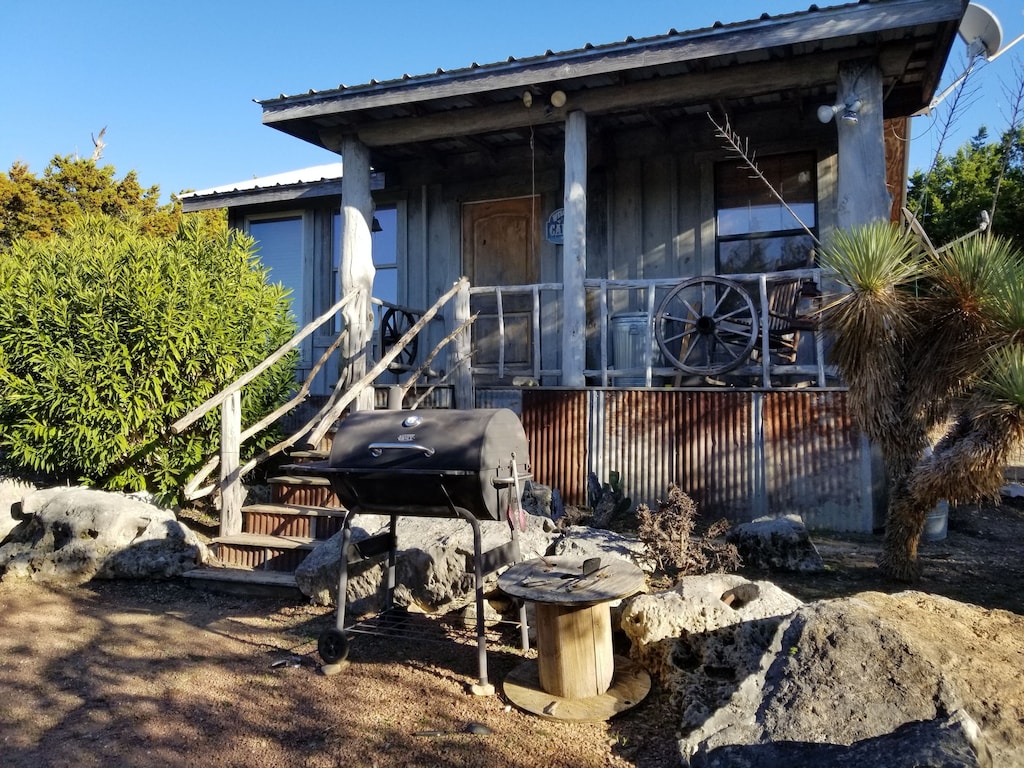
{"x": 610, "y": 300}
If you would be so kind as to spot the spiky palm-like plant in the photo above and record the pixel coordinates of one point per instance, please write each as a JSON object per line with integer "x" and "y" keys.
{"x": 926, "y": 338}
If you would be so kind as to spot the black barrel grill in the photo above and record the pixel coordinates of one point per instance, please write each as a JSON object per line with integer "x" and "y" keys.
{"x": 433, "y": 463}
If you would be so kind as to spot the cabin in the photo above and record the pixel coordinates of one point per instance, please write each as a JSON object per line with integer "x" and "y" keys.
{"x": 618, "y": 242}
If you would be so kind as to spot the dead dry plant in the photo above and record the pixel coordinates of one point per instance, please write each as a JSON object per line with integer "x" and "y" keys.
{"x": 669, "y": 535}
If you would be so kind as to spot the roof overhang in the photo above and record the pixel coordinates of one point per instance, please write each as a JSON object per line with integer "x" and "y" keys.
{"x": 752, "y": 65}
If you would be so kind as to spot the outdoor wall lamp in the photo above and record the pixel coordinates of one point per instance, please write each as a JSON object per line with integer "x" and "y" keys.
{"x": 850, "y": 111}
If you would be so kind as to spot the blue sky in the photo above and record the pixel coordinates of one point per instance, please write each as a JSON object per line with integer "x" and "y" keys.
{"x": 174, "y": 83}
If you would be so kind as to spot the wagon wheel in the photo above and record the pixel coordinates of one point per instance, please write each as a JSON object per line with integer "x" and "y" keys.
{"x": 393, "y": 326}
{"x": 332, "y": 646}
{"x": 706, "y": 325}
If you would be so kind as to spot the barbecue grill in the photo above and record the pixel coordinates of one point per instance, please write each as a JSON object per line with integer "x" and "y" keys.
{"x": 435, "y": 463}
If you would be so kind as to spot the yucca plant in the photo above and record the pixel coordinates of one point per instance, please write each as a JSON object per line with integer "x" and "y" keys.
{"x": 926, "y": 338}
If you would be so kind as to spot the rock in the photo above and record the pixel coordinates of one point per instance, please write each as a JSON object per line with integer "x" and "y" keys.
{"x": 12, "y": 491}
{"x": 698, "y": 645}
{"x": 950, "y": 742}
{"x": 71, "y": 535}
{"x": 776, "y": 544}
{"x": 434, "y": 570}
{"x": 542, "y": 501}
{"x": 841, "y": 682}
{"x": 582, "y": 541}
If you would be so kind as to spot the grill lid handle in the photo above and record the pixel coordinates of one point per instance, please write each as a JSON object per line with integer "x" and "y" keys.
{"x": 376, "y": 449}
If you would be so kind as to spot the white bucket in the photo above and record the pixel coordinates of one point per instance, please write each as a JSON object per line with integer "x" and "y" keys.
{"x": 937, "y": 522}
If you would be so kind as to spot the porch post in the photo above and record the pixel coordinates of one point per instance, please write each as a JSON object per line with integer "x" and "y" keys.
{"x": 863, "y": 196}
{"x": 574, "y": 252}
{"x": 356, "y": 269}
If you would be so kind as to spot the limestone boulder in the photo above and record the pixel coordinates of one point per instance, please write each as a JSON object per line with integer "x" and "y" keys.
{"x": 944, "y": 742}
{"x": 904, "y": 679}
{"x": 68, "y": 536}
{"x": 582, "y": 541}
{"x": 12, "y": 491}
{"x": 703, "y": 635}
{"x": 434, "y": 570}
{"x": 776, "y": 544}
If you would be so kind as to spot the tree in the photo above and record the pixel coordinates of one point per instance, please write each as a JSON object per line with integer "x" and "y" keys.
{"x": 36, "y": 207}
{"x": 109, "y": 332}
{"x": 930, "y": 341}
{"x": 980, "y": 176}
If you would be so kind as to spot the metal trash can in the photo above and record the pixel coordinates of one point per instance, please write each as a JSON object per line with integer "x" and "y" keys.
{"x": 630, "y": 332}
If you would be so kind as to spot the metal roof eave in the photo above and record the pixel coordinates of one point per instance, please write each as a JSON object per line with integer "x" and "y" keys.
{"x": 813, "y": 26}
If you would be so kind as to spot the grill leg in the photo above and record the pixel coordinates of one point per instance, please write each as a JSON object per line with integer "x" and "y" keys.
{"x": 483, "y": 687}
{"x": 524, "y": 629}
{"x": 346, "y": 540}
{"x": 392, "y": 576}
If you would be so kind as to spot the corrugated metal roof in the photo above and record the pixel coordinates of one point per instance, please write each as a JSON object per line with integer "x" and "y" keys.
{"x": 313, "y": 174}
{"x": 549, "y": 56}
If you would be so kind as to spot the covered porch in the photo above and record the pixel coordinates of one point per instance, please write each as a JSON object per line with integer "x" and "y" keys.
{"x": 637, "y": 224}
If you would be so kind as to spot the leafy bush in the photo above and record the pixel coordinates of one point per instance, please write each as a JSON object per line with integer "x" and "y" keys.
{"x": 669, "y": 535}
{"x": 109, "y": 334}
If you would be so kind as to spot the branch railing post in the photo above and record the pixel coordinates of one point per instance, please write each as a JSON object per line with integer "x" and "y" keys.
{"x": 232, "y": 492}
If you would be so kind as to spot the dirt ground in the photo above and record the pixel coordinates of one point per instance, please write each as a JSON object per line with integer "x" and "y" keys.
{"x": 162, "y": 674}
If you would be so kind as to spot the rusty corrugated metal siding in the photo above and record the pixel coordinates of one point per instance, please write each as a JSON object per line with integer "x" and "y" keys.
{"x": 814, "y": 462}
{"x": 738, "y": 454}
{"x": 555, "y": 422}
{"x": 700, "y": 441}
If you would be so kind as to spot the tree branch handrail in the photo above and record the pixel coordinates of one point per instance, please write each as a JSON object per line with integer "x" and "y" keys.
{"x": 197, "y": 413}
{"x": 336, "y": 408}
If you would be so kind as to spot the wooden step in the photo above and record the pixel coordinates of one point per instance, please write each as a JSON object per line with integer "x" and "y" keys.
{"x": 295, "y": 478}
{"x": 311, "y": 455}
{"x": 293, "y": 520}
{"x": 243, "y": 581}
{"x": 262, "y": 552}
{"x": 302, "y": 490}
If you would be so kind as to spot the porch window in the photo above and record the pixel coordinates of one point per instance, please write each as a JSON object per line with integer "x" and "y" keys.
{"x": 279, "y": 241}
{"x": 755, "y": 232}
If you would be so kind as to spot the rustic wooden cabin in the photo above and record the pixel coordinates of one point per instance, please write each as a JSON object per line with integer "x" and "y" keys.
{"x": 637, "y": 291}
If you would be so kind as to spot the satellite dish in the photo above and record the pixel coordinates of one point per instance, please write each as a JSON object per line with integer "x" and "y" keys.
{"x": 981, "y": 30}
{"x": 983, "y": 33}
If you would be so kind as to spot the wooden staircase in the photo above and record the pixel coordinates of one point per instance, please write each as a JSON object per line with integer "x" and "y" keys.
{"x": 278, "y": 535}
{"x": 262, "y": 544}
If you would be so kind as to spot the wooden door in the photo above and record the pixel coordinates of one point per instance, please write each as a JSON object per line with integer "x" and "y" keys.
{"x": 500, "y": 247}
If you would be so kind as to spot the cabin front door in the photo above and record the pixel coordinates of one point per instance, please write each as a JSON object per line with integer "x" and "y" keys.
{"x": 500, "y": 247}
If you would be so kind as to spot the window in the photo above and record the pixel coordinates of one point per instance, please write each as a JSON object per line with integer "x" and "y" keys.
{"x": 385, "y": 254}
{"x": 756, "y": 233}
{"x": 279, "y": 243}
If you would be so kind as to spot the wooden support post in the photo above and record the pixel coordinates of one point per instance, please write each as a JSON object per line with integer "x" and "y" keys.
{"x": 356, "y": 269}
{"x": 462, "y": 350}
{"x": 232, "y": 494}
{"x": 863, "y": 196}
{"x": 574, "y": 252}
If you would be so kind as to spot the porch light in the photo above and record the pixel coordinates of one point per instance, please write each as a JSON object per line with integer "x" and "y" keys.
{"x": 558, "y": 99}
{"x": 850, "y": 111}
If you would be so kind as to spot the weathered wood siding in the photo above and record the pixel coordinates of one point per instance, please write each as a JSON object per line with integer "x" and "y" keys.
{"x": 650, "y": 207}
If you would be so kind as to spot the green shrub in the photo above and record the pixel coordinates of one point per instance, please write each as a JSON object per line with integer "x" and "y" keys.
{"x": 109, "y": 334}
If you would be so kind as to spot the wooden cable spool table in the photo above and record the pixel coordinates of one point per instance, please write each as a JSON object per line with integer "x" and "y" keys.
{"x": 576, "y": 675}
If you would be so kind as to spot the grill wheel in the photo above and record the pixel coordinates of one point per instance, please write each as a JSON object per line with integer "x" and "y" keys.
{"x": 332, "y": 646}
